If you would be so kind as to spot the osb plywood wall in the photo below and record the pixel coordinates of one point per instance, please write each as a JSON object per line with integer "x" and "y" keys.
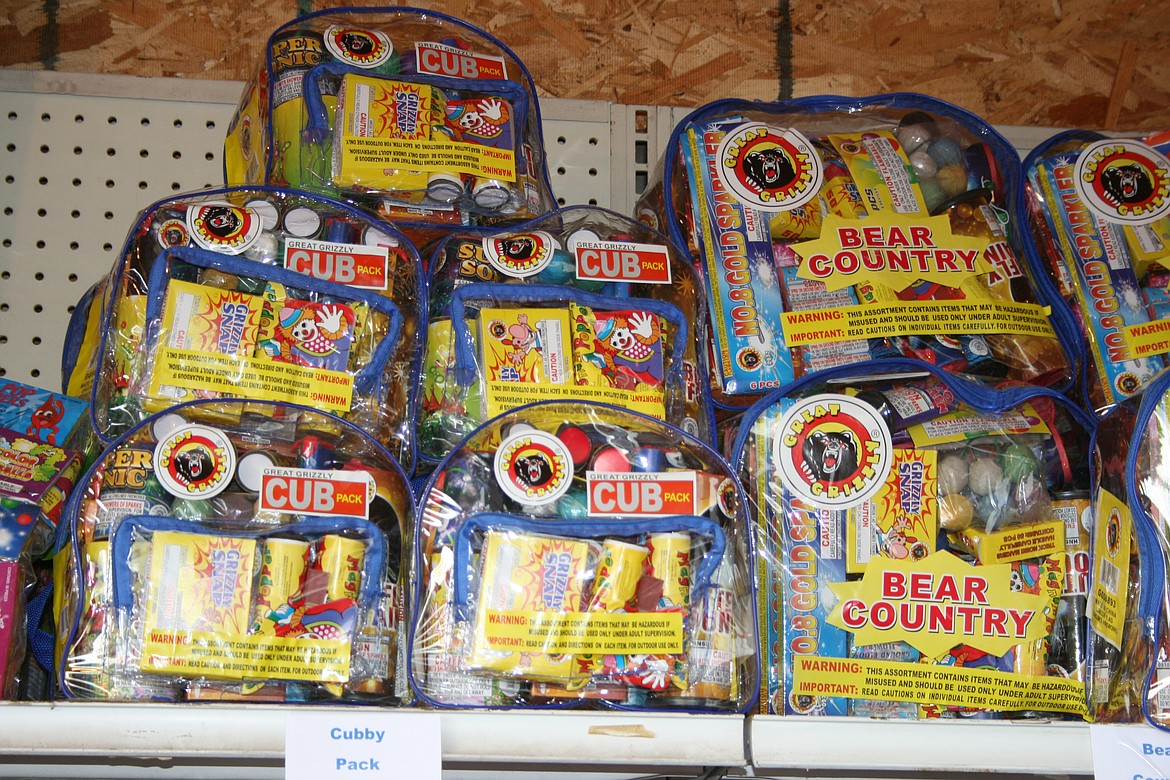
{"x": 1057, "y": 63}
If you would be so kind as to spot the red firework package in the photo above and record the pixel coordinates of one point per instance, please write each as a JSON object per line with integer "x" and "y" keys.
{"x": 254, "y": 294}
{"x": 578, "y": 554}
{"x": 261, "y": 559}
{"x": 428, "y": 120}
{"x": 832, "y": 231}
{"x": 921, "y": 545}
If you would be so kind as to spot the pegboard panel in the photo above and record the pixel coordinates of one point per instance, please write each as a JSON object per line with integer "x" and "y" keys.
{"x": 82, "y": 155}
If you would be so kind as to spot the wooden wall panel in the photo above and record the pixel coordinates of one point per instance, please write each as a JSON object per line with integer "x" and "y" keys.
{"x": 1059, "y": 63}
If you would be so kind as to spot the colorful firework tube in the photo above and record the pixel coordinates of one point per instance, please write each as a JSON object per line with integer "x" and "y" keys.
{"x": 283, "y": 564}
{"x": 341, "y": 558}
{"x": 670, "y": 561}
{"x": 618, "y": 571}
{"x": 711, "y": 668}
{"x": 742, "y": 290}
{"x": 1105, "y": 285}
{"x": 313, "y": 452}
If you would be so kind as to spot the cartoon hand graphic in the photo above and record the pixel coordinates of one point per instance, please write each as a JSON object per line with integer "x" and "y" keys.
{"x": 330, "y": 318}
{"x": 492, "y": 109}
{"x": 641, "y": 324}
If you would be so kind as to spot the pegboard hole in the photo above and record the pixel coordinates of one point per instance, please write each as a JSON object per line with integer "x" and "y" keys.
{"x": 75, "y": 214}
{"x": 209, "y": 156}
{"x": 592, "y": 171}
{"x": 3, "y": 307}
{"x": 43, "y": 181}
{"x": 74, "y": 246}
{"x": 79, "y": 119}
{"x": 9, "y": 179}
{"x": 176, "y": 155}
{"x": 41, "y": 212}
{"x": 11, "y": 147}
{"x": 36, "y": 340}
{"x": 8, "y": 211}
{"x": 113, "y": 120}
{"x": 6, "y": 243}
{"x": 44, "y": 148}
{"x": 593, "y": 201}
{"x": 143, "y": 153}
{"x": 109, "y": 183}
{"x": 210, "y": 124}
{"x": 175, "y": 186}
{"x": 77, "y": 182}
{"x": 34, "y": 373}
{"x": 45, "y": 117}
{"x": 108, "y": 215}
{"x": 39, "y": 276}
{"x": 142, "y": 185}
{"x": 107, "y": 247}
{"x": 40, "y": 244}
{"x": 77, "y": 150}
{"x": 72, "y": 277}
{"x": 12, "y": 115}
{"x": 110, "y": 152}
{"x": 562, "y": 140}
{"x": 561, "y": 171}
{"x": 593, "y": 142}
{"x": 145, "y": 122}
{"x": 5, "y": 275}
{"x": 38, "y": 308}
{"x": 178, "y": 123}
{"x": 560, "y": 201}
{"x": 3, "y": 340}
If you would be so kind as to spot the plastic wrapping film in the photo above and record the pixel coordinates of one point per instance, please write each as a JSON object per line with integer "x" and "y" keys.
{"x": 578, "y": 554}
{"x": 580, "y": 304}
{"x": 1098, "y": 210}
{"x": 260, "y": 294}
{"x": 1130, "y": 660}
{"x": 921, "y": 545}
{"x": 832, "y": 231}
{"x": 229, "y": 551}
{"x": 425, "y": 118}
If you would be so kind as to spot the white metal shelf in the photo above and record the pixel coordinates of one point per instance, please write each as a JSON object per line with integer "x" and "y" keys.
{"x": 197, "y": 741}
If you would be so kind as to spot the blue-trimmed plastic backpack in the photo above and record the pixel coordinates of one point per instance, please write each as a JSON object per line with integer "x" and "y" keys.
{"x": 1098, "y": 212}
{"x": 920, "y": 544}
{"x": 582, "y": 303}
{"x": 832, "y": 230}
{"x": 582, "y": 555}
{"x": 1128, "y": 616}
{"x": 255, "y": 553}
{"x": 254, "y": 293}
{"x": 428, "y": 120}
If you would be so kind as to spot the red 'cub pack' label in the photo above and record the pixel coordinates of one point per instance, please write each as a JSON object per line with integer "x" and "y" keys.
{"x": 622, "y": 261}
{"x": 443, "y": 60}
{"x": 364, "y": 267}
{"x": 315, "y": 492}
{"x": 653, "y": 494}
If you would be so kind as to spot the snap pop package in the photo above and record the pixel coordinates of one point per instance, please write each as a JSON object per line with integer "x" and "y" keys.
{"x": 922, "y": 549}
{"x": 218, "y": 554}
{"x": 1130, "y": 654}
{"x": 1099, "y": 212}
{"x": 578, "y": 554}
{"x": 425, "y": 118}
{"x": 254, "y": 293}
{"x": 580, "y": 304}
{"x": 835, "y": 230}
